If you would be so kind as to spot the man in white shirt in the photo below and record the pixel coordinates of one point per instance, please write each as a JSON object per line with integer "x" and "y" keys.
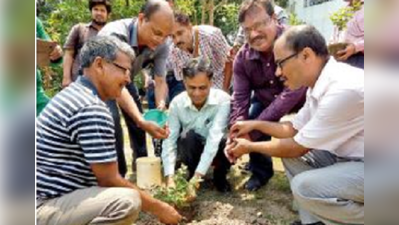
{"x": 198, "y": 120}
{"x": 323, "y": 148}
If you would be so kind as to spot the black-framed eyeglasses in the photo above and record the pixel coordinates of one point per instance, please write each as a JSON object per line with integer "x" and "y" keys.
{"x": 280, "y": 63}
{"x": 125, "y": 70}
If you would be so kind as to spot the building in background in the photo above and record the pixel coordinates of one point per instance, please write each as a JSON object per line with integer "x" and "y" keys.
{"x": 317, "y": 13}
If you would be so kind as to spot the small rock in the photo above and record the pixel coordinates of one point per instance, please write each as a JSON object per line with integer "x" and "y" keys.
{"x": 259, "y": 214}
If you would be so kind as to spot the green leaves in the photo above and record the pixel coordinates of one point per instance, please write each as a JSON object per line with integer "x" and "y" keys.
{"x": 179, "y": 195}
{"x": 343, "y": 15}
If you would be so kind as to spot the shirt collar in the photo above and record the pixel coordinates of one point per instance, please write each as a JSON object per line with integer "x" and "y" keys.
{"x": 85, "y": 82}
{"x": 91, "y": 25}
{"x": 212, "y": 100}
{"x": 134, "y": 35}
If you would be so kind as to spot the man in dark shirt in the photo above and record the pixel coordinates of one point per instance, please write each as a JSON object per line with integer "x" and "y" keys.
{"x": 79, "y": 34}
{"x": 258, "y": 93}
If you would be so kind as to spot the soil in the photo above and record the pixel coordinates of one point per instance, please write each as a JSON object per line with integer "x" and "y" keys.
{"x": 271, "y": 204}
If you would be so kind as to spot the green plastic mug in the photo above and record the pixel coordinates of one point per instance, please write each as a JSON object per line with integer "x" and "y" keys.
{"x": 157, "y": 116}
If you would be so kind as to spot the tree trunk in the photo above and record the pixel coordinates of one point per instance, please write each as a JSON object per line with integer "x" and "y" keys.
{"x": 203, "y": 14}
{"x": 127, "y": 3}
{"x": 211, "y": 8}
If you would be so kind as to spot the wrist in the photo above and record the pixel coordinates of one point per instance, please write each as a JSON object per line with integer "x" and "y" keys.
{"x": 141, "y": 122}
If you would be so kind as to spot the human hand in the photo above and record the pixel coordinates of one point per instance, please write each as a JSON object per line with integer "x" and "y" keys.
{"x": 240, "y": 148}
{"x": 241, "y": 128}
{"x": 167, "y": 214}
{"x": 162, "y": 106}
{"x": 56, "y": 53}
{"x": 154, "y": 130}
{"x": 343, "y": 55}
{"x": 170, "y": 182}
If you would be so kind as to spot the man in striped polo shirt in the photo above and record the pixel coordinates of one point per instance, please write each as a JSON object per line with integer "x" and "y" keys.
{"x": 77, "y": 172}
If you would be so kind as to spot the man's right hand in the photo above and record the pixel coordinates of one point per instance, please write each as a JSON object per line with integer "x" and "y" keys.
{"x": 154, "y": 130}
{"x": 166, "y": 213}
{"x": 170, "y": 182}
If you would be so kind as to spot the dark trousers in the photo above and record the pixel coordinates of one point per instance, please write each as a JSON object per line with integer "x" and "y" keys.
{"x": 136, "y": 135}
{"x": 260, "y": 165}
{"x": 190, "y": 148}
{"x": 356, "y": 60}
{"x": 175, "y": 88}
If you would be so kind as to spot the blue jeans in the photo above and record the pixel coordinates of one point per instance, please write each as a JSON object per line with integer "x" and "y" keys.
{"x": 136, "y": 135}
{"x": 261, "y": 165}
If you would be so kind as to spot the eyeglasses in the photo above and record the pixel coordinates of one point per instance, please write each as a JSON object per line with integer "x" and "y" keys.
{"x": 280, "y": 63}
{"x": 125, "y": 70}
{"x": 256, "y": 27}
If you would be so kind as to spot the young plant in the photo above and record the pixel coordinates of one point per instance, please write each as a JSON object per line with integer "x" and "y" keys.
{"x": 179, "y": 196}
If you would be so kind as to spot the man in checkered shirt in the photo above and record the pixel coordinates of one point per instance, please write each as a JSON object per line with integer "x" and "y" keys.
{"x": 203, "y": 40}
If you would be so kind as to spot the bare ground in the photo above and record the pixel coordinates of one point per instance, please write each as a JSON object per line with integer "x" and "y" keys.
{"x": 270, "y": 205}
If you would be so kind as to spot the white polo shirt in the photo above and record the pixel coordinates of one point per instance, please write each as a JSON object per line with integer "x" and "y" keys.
{"x": 332, "y": 118}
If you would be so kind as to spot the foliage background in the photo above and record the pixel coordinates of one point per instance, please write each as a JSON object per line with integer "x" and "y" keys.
{"x": 58, "y": 17}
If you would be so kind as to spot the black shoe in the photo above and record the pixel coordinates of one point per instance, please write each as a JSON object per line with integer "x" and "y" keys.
{"x": 222, "y": 185}
{"x": 298, "y": 222}
{"x": 254, "y": 183}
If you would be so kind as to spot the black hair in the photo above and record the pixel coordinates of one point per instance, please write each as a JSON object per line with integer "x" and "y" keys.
{"x": 182, "y": 18}
{"x": 106, "y": 3}
{"x": 249, "y": 5}
{"x": 195, "y": 66}
{"x": 305, "y": 36}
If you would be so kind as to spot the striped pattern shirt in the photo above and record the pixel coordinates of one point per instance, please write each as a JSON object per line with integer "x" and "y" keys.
{"x": 74, "y": 130}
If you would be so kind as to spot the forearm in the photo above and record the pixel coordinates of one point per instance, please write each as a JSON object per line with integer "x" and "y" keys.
{"x": 275, "y": 129}
{"x": 147, "y": 202}
{"x": 67, "y": 65}
{"x": 283, "y": 148}
{"x": 228, "y": 73}
{"x": 127, "y": 103}
{"x": 161, "y": 89}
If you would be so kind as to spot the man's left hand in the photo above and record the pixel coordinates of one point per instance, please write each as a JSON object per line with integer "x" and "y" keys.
{"x": 344, "y": 55}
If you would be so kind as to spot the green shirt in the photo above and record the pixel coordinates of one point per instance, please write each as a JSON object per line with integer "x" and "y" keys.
{"x": 41, "y": 97}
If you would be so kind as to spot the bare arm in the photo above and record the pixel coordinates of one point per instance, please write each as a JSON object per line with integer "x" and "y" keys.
{"x": 161, "y": 90}
{"x": 67, "y": 67}
{"x": 107, "y": 176}
{"x": 274, "y": 129}
{"x": 284, "y": 148}
{"x": 127, "y": 103}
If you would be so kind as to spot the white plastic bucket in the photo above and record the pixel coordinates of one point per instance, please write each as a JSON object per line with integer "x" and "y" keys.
{"x": 148, "y": 172}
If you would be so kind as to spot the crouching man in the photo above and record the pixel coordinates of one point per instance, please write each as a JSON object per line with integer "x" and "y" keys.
{"x": 198, "y": 120}
{"x": 77, "y": 172}
{"x": 323, "y": 148}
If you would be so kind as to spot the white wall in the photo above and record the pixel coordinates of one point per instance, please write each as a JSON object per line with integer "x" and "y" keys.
{"x": 317, "y": 15}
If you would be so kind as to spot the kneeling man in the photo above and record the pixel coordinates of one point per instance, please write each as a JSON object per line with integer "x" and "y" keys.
{"x": 198, "y": 120}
